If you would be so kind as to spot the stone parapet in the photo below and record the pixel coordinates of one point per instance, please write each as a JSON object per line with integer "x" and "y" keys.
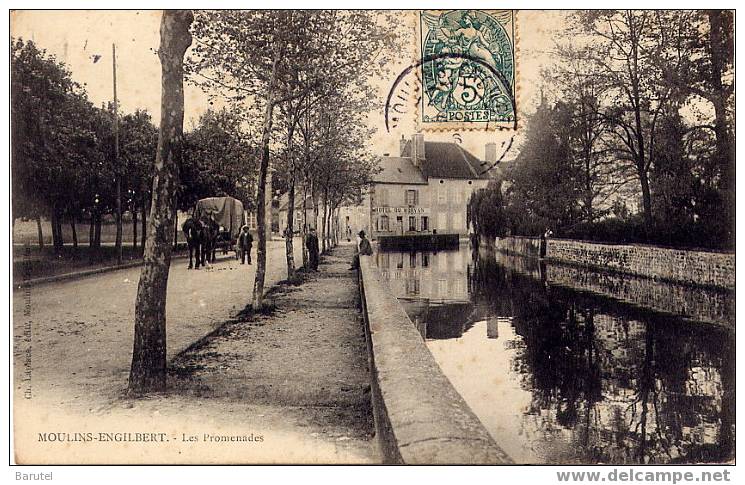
{"x": 699, "y": 268}
{"x": 419, "y": 416}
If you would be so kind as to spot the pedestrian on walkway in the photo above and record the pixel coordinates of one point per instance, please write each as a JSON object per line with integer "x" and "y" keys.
{"x": 311, "y": 243}
{"x": 245, "y": 243}
{"x": 364, "y": 248}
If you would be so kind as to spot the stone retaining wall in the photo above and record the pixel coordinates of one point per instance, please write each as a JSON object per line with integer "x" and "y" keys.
{"x": 689, "y": 267}
{"x": 710, "y": 305}
{"x": 702, "y": 304}
{"x": 419, "y": 416}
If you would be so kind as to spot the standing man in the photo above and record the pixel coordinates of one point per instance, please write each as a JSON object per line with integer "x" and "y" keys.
{"x": 311, "y": 243}
{"x": 245, "y": 242}
{"x": 544, "y": 242}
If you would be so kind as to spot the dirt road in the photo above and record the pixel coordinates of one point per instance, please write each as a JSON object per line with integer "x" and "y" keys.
{"x": 285, "y": 388}
{"x": 83, "y": 328}
{"x": 72, "y": 351}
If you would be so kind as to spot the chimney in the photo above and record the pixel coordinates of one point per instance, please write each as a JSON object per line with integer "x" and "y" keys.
{"x": 402, "y": 145}
{"x": 417, "y": 148}
{"x": 491, "y": 153}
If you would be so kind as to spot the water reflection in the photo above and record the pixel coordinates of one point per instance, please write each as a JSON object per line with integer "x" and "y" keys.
{"x": 559, "y": 375}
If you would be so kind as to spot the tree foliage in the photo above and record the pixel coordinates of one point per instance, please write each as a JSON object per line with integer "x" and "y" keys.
{"x": 634, "y": 141}
{"x": 544, "y": 188}
{"x": 219, "y": 160}
{"x": 313, "y": 67}
{"x": 57, "y": 140}
{"x": 486, "y": 211}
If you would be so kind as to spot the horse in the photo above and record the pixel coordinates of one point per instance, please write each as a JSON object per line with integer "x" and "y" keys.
{"x": 211, "y": 233}
{"x": 194, "y": 231}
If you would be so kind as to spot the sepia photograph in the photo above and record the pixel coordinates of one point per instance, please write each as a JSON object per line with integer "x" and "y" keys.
{"x": 373, "y": 237}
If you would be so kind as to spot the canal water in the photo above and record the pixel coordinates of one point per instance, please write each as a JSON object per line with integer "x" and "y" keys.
{"x": 574, "y": 366}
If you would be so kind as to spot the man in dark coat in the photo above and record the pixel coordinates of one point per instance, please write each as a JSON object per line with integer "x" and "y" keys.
{"x": 245, "y": 243}
{"x": 311, "y": 243}
{"x": 364, "y": 248}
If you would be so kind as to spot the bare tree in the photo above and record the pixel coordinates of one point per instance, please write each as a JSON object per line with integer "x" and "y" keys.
{"x": 582, "y": 88}
{"x": 634, "y": 51}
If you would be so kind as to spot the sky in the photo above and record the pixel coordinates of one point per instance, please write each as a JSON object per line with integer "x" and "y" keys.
{"x": 83, "y": 41}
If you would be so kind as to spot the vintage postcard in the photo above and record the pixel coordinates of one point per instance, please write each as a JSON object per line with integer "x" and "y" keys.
{"x": 373, "y": 237}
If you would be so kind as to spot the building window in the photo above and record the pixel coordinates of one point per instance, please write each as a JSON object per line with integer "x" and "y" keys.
{"x": 412, "y": 198}
{"x": 412, "y": 287}
{"x": 442, "y": 221}
{"x": 442, "y": 286}
{"x": 441, "y": 195}
{"x": 383, "y": 197}
{"x": 425, "y": 223}
{"x": 412, "y": 223}
{"x": 251, "y": 219}
{"x": 383, "y": 223}
{"x": 442, "y": 262}
{"x": 458, "y": 288}
{"x": 425, "y": 260}
{"x": 457, "y": 221}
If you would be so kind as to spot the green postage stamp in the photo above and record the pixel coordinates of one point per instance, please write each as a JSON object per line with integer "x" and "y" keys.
{"x": 468, "y": 70}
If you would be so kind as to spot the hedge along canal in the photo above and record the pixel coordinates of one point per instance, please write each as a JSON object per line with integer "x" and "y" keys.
{"x": 561, "y": 373}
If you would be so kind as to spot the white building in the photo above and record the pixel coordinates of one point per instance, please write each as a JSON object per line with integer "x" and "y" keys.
{"x": 424, "y": 189}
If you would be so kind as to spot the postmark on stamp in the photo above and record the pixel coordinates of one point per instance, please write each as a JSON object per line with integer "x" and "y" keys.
{"x": 467, "y": 70}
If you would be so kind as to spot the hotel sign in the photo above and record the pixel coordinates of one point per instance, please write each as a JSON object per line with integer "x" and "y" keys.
{"x": 401, "y": 210}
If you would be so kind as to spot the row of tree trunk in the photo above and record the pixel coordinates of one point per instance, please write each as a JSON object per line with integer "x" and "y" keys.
{"x": 148, "y": 370}
{"x": 329, "y": 231}
{"x": 139, "y": 226}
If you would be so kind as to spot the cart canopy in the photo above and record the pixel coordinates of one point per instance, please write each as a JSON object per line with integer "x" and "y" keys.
{"x": 226, "y": 211}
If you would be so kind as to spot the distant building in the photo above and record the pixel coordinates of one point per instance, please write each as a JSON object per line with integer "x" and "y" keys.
{"x": 353, "y": 219}
{"x": 297, "y": 220}
{"x": 424, "y": 189}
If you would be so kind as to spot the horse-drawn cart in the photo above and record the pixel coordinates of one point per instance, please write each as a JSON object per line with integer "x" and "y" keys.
{"x": 228, "y": 213}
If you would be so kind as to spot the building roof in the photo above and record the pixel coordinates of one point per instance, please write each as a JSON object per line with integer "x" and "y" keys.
{"x": 448, "y": 160}
{"x": 398, "y": 170}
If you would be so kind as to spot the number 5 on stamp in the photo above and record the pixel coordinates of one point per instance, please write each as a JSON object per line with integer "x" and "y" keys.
{"x": 468, "y": 70}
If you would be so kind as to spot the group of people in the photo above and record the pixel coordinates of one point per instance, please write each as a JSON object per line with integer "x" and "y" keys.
{"x": 245, "y": 243}
{"x": 311, "y": 243}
